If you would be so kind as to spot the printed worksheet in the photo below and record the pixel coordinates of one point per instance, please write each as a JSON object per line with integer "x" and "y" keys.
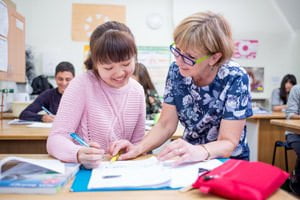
{"x": 148, "y": 173}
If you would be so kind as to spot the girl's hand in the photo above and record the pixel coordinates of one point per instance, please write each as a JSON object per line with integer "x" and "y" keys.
{"x": 128, "y": 149}
{"x": 182, "y": 152}
{"x": 90, "y": 157}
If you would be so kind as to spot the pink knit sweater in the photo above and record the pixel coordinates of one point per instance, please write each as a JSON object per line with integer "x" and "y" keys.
{"x": 97, "y": 112}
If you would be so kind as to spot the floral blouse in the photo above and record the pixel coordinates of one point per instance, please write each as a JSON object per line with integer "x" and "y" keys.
{"x": 201, "y": 109}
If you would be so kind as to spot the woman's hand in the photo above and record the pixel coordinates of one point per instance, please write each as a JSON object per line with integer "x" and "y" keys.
{"x": 48, "y": 118}
{"x": 128, "y": 149}
{"x": 90, "y": 157}
{"x": 183, "y": 152}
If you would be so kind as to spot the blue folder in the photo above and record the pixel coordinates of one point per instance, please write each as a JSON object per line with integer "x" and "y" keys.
{"x": 82, "y": 178}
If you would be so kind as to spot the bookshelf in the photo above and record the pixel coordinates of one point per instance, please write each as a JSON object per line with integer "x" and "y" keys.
{"x": 16, "y": 45}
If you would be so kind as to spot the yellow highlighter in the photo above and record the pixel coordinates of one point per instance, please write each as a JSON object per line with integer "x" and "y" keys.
{"x": 116, "y": 157}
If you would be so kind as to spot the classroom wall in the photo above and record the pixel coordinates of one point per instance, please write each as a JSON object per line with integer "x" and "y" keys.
{"x": 49, "y": 30}
{"x": 261, "y": 20}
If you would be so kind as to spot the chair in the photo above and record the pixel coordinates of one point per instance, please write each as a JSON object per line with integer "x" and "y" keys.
{"x": 286, "y": 148}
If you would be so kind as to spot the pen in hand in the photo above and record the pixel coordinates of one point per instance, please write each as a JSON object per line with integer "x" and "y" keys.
{"x": 46, "y": 110}
{"x": 78, "y": 139}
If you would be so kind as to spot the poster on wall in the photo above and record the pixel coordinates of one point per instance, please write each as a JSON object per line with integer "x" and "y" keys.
{"x": 245, "y": 49}
{"x": 256, "y": 78}
{"x": 86, "y": 17}
{"x": 154, "y": 56}
{"x": 157, "y": 59}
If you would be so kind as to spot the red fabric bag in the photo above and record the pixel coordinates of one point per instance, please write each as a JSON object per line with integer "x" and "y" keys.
{"x": 239, "y": 179}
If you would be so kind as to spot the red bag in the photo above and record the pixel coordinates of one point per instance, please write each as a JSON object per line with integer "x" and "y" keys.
{"x": 239, "y": 179}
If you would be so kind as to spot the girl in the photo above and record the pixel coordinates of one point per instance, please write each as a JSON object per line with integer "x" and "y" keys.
{"x": 102, "y": 105}
{"x": 280, "y": 95}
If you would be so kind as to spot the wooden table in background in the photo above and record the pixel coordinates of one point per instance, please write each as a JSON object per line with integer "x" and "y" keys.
{"x": 22, "y": 139}
{"x": 267, "y": 135}
{"x": 292, "y": 125}
{"x": 125, "y": 195}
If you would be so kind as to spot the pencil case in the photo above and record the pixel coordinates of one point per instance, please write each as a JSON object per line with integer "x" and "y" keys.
{"x": 239, "y": 179}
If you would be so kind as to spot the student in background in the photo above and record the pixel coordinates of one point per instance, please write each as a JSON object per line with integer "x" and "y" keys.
{"x": 293, "y": 112}
{"x": 207, "y": 92}
{"x": 280, "y": 95}
{"x": 49, "y": 100}
{"x": 102, "y": 105}
{"x": 153, "y": 104}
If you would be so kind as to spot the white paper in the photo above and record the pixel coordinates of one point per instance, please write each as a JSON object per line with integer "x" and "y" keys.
{"x": 3, "y": 19}
{"x": 3, "y": 54}
{"x": 148, "y": 173}
{"x": 186, "y": 175}
{"x": 122, "y": 174}
{"x": 19, "y": 122}
{"x": 40, "y": 125}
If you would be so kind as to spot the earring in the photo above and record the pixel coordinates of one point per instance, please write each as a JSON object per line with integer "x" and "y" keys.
{"x": 212, "y": 67}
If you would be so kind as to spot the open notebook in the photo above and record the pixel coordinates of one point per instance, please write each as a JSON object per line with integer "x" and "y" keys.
{"x": 146, "y": 174}
{"x": 22, "y": 175}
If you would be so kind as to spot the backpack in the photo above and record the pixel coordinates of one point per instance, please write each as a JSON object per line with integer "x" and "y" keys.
{"x": 40, "y": 84}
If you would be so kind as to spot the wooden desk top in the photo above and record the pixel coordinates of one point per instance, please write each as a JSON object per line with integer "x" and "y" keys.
{"x": 8, "y": 115}
{"x": 273, "y": 115}
{"x": 124, "y": 195}
{"x": 292, "y": 125}
{"x": 21, "y": 132}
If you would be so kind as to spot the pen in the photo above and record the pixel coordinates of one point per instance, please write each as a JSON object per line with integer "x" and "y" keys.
{"x": 46, "y": 110}
{"x": 79, "y": 139}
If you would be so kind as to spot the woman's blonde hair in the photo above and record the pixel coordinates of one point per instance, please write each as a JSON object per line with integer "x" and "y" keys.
{"x": 205, "y": 32}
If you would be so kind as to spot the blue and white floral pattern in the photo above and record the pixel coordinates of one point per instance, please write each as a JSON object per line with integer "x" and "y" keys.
{"x": 201, "y": 109}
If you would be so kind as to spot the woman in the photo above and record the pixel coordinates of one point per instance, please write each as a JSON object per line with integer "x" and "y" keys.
{"x": 153, "y": 104}
{"x": 280, "y": 95}
{"x": 206, "y": 92}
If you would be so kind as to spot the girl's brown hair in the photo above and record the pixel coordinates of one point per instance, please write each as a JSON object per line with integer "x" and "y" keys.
{"x": 143, "y": 76}
{"x": 120, "y": 29}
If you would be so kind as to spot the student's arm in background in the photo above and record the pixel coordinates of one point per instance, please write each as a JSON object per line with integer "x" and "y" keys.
{"x": 275, "y": 101}
{"x": 293, "y": 105}
{"x": 30, "y": 113}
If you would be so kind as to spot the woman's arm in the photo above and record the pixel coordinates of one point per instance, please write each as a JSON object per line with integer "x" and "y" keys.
{"x": 161, "y": 132}
{"x": 229, "y": 137}
{"x": 230, "y": 133}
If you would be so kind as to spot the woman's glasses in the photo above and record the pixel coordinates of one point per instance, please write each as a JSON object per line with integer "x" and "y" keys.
{"x": 186, "y": 59}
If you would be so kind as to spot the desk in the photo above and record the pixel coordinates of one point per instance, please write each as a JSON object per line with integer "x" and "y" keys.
{"x": 262, "y": 133}
{"x": 126, "y": 195}
{"x": 22, "y": 139}
{"x": 292, "y": 125}
{"x": 8, "y": 115}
